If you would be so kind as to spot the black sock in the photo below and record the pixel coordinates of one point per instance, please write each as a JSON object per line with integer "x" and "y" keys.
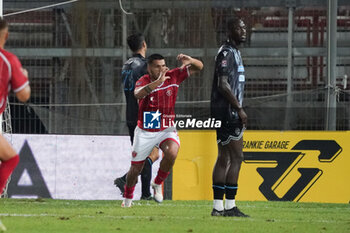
{"x": 146, "y": 176}
{"x": 231, "y": 191}
{"x": 219, "y": 191}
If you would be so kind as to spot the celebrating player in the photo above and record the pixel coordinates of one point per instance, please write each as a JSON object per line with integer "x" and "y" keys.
{"x": 133, "y": 69}
{"x": 12, "y": 76}
{"x": 226, "y": 105}
{"x": 156, "y": 92}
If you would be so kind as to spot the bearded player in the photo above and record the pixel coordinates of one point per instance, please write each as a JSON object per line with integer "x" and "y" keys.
{"x": 157, "y": 92}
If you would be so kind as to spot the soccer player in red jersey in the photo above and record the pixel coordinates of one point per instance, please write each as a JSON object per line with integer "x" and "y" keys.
{"x": 12, "y": 76}
{"x": 133, "y": 69}
{"x": 156, "y": 92}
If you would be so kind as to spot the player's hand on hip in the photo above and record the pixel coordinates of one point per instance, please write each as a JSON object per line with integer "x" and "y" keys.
{"x": 243, "y": 116}
{"x": 185, "y": 59}
{"x": 162, "y": 74}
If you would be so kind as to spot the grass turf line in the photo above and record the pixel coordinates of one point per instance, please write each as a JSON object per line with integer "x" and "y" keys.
{"x": 47, "y": 215}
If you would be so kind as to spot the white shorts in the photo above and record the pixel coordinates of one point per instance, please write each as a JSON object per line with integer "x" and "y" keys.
{"x": 145, "y": 141}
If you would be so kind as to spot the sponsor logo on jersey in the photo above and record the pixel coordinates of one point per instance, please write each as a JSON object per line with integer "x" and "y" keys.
{"x": 240, "y": 68}
{"x": 224, "y": 63}
{"x": 241, "y": 78}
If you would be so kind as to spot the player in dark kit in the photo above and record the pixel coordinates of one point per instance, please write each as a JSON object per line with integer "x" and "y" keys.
{"x": 226, "y": 105}
{"x": 133, "y": 69}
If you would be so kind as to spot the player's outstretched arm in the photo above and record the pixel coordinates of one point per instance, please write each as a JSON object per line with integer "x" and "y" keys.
{"x": 195, "y": 65}
{"x": 141, "y": 92}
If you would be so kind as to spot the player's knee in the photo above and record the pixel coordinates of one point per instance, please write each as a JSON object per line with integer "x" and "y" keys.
{"x": 221, "y": 161}
{"x": 222, "y": 164}
{"x": 241, "y": 156}
{"x": 170, "y": 150}
{"x": 238, "y": 158}
{"x": 171, "y": 155}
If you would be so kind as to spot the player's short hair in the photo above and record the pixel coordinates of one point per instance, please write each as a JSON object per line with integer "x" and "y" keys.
{"x": 135, "y": 41}
{"x": 3, "y": 23}
{"x": 232, "y": 21}
{"x": 153, "y": 57}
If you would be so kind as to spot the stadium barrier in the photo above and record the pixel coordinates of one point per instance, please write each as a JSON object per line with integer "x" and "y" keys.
{"x": 305, "y": 166}
{"x": 292, "y": 166}
{"x": 70, "y": 166}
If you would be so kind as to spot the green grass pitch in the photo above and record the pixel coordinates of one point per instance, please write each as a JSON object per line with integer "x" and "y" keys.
{"x": 50, "y": 216}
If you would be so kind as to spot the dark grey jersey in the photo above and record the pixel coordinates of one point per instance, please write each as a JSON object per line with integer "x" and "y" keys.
{"x": 228, "y": 63}
{"x": 133, "y": 69}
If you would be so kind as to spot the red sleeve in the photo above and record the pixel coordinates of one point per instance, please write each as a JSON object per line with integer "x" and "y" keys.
{"x": 181, "y": 74}
{"x": 18, "y": 80}
{"x": 141, "y": 82}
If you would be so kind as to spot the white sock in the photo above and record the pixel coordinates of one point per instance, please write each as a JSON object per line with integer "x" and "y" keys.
{"x": 229, "y": 204}
{"x": 218, "y": 205}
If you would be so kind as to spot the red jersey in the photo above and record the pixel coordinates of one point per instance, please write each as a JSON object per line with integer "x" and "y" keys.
{"x": 156, "y": 110}
{"x": 11, "y": 76}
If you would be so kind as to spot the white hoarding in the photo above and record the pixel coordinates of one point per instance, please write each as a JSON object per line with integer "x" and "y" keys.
{"x": 71, "y": 166}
